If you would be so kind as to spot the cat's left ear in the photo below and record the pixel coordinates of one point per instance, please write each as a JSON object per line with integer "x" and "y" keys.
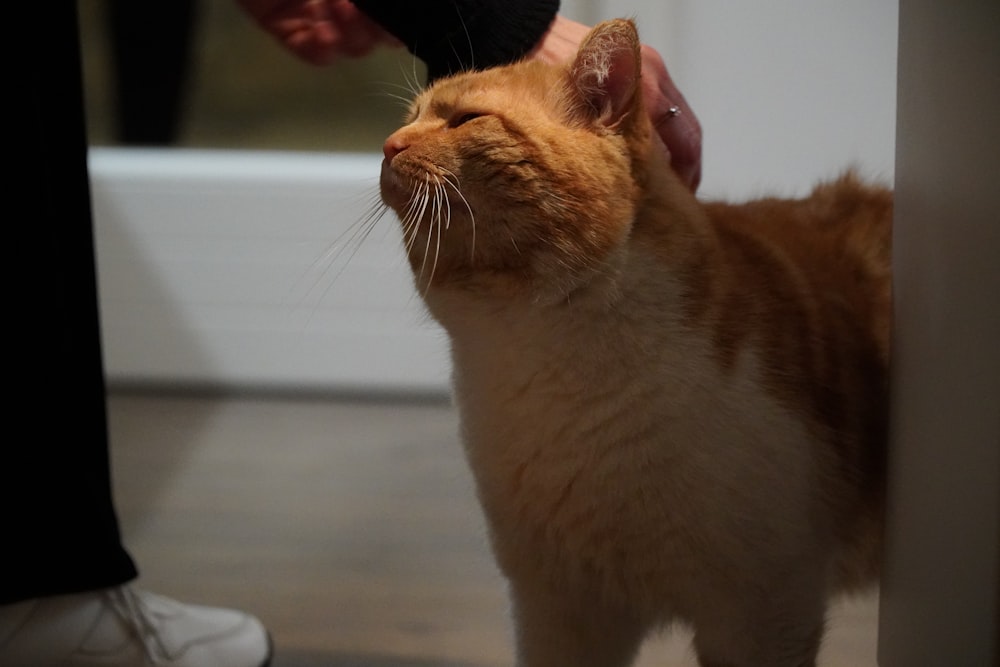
{"x": 604, "y": 78}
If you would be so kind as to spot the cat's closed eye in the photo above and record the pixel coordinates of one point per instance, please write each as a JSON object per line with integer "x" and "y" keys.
{"x": 461, "y": 118}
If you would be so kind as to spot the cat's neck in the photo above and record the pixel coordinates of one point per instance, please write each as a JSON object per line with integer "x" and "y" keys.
{"x": 672, "y": 245}
{"x": 670, "y": 217}
{"x": 671, "y": 235}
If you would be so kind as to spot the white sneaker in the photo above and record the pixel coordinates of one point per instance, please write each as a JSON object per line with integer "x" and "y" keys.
{"x": 122, "y": 627}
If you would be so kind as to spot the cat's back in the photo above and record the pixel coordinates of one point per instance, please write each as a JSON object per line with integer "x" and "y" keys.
{"x": 843, "y": 220}
{"x": 820, "y": 261}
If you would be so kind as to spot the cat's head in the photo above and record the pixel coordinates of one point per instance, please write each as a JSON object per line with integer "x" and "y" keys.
{"x": 523, "y": 178}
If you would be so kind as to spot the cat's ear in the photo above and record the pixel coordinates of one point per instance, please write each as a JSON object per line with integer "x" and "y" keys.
{"x": 604, "y": 78}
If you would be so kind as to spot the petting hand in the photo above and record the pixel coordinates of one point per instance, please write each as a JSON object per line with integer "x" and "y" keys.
{"x": 319, "y": 31}
{"x": 672, "y": 118}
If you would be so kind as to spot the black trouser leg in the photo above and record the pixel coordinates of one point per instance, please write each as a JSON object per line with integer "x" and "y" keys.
{"x": 60, "y": 531}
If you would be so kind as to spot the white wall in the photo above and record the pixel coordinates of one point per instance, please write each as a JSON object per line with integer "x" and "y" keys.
{"x": 247, "y": 270}
{"x": 201, "y": 255}
{"x": 788, "y": 92}
{"x": 941, "y": 589}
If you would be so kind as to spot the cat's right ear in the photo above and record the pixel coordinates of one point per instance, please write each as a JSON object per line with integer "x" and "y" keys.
{"x": 604, "y": 78}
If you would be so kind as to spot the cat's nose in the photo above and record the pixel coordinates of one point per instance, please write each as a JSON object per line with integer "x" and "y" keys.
{"x": 393, "y": 146}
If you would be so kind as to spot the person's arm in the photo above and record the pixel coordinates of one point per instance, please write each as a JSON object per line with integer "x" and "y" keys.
{"x": 447, "y": 35}
{"x": 454, "y": 35}
{"x": 321, "y": 31}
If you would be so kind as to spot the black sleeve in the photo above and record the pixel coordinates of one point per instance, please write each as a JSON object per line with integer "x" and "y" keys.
{"x": 455, "y": 35}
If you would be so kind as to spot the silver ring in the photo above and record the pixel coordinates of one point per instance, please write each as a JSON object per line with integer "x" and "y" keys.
{"x": 674, "y": 111}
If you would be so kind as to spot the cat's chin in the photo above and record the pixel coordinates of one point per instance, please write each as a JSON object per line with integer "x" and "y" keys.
{"x": 393, "y": 188}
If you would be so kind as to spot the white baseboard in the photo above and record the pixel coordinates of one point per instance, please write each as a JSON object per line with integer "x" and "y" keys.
{"x": 233, "y": 269}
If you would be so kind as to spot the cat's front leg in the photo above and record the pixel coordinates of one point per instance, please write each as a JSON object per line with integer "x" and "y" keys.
{"x": 777, "y": 626}
{"x": 571, "y": 630}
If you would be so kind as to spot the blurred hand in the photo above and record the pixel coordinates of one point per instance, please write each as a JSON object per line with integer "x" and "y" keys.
{"x": 319, "y": 31}
{"x": 679, "y": 132}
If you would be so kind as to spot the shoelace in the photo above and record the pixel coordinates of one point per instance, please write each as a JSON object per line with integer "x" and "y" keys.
{"x": 136, "y": 614}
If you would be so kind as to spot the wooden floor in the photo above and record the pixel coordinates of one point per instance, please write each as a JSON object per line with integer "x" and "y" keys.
{"x": 349, "y": 527}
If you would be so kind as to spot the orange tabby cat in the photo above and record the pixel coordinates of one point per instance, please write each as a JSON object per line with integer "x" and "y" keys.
{"x": 673, "y": 410}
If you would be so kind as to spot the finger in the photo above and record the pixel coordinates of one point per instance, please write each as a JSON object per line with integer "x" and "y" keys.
{"x": 672, "y": 118}
{"x": 680, "y": 131}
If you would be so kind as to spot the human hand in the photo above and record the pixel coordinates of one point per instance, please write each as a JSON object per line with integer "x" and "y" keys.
{"x": 319, "y": 31}
{"x": 675, "y": 123}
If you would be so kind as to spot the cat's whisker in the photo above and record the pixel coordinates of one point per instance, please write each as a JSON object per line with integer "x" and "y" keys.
{"x": 412, "y": 215}
{"x": 425, "y": 200}
{"x": 513, "y": 241}
{"x": 407, "y": 87}
{"x": 351, "y": 239}
{"x": 450, "y": 179}
{"x": 419, "y": 213}
{"x": 437, "y": 210}
{"x": 411, "y": 206}
{"x": 443, "y": 193}
{"x": 411, "y": 79}
{"x": 427, "y": 250}
{"x": 564, "y": 203}
{"x": 436, "y": 228}
{"x": 376, "y": 212}
{"x": 356, "y": 241}
{"x": 445, "y": 207}
{"x": 468, "y": 39}
{"x": 403, "y": 101}
{"x": 412, "y": 232}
